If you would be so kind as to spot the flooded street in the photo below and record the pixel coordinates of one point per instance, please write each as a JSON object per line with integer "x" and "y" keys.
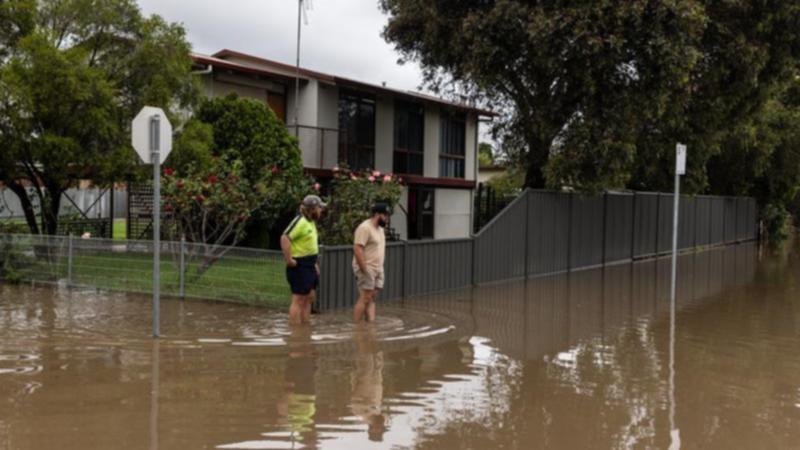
{"x": 568, "y": 361}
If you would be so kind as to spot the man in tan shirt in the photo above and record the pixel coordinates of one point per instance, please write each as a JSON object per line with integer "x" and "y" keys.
{"x": 369, "y": 250}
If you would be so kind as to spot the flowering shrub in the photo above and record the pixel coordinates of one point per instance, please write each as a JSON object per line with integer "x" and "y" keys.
{"x": 352, "y": 196}
{"x": 233, "y": 162}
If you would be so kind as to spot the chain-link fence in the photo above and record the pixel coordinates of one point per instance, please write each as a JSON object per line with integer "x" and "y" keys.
{"x": 187, "y": 269}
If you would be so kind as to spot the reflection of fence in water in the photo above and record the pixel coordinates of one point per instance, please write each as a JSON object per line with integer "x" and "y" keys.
{"x": 550, "y": 314}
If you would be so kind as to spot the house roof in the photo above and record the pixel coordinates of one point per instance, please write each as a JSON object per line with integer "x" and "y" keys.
{"x": 267, "y": 67}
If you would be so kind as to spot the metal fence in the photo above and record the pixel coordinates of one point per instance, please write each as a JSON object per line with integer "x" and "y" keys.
{"x": 539, "y": 233}
{"x": 545, "y": 232}
{"x": 187, "y": 270}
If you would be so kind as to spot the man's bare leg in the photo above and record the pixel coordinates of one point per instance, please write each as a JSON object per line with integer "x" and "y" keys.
{"x": 371, "y": 306}
{"x": 362, "y": 304}
{"x": 307, "y": 307}
{"x": 296, "y": 309}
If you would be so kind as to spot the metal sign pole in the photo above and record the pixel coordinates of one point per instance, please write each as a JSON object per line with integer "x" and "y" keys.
{"x": 155, "y": 139}
{"x": 680, "y": 169}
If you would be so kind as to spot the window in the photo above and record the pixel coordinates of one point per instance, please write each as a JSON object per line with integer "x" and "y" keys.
{"x": 409, "y": 136}
{"x": 277, "y": 103}
{"x": 420, "y": 213}
{"x": 357, "y": 130}
{"x": 453, "y": 145}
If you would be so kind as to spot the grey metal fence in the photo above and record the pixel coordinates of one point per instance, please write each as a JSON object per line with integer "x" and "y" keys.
{"x": 546, "y": 232}
{"x": 187, "y": 270}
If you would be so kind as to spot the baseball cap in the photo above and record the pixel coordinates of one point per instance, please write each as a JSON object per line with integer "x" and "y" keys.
{"x": 313, "y": 200}
{"x": 380, "y": 208}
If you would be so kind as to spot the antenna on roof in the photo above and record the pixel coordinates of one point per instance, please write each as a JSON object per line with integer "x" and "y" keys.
{"x": 303, "y": 6}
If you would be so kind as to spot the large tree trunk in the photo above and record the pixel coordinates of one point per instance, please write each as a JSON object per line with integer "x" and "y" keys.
{"x": 52, "y": 209}
{"x": 536, "y": 160}
{"x": 27, "y": 207}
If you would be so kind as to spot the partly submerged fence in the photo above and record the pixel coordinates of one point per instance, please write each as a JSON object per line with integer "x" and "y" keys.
{"x": 545, "y": 232}
{"x": 540, "y": 233}
{"x": 187, "y": 270}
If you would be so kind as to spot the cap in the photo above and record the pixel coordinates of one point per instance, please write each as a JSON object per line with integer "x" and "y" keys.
{"x": 380, "y": 208}
{"x": 313, "y": 200}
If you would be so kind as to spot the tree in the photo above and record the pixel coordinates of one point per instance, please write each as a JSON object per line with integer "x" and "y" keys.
{"x": 485, "y": 154}
{"x": 352, "y": 196}
{"x": 606, "y": 87}
{"x": 72, "y": 75}
{"x": 233, "y": 163}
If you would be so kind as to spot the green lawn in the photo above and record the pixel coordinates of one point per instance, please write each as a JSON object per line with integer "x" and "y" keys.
{"x": 252, "y": 281}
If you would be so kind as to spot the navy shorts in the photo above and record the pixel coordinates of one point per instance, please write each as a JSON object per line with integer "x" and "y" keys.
{"x": 303, "y": 278}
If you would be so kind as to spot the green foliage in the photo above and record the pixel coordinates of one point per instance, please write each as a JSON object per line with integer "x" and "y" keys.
{"x": 510, "y": 183}
{"x": 352, "y": 197}
{"x": 485, "y": 154}
{"x": 777, "y": 222}
{"x": 72, "y": 75}
{"x": 244, "y": 132}
{"x": 232, "y": 163}
{"x": 595, "y": 95}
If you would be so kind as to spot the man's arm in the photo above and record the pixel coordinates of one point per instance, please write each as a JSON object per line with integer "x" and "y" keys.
{"x": 358, "y": 250}
{"x": 286, "y": 247}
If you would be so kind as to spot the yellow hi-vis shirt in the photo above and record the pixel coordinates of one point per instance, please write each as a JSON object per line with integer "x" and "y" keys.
{"x": 304, "y": 237}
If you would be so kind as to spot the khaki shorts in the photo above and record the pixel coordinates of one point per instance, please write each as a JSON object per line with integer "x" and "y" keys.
{"x": 370, "y": 280}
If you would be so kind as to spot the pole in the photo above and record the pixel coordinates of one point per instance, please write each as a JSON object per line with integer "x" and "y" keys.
{"x": 182, "y": 267}
{"x": 297, "y": 70}
{"x": 680, "y": 164}
{"x": 69, "y": 260}
{"x": 155, "y": 139}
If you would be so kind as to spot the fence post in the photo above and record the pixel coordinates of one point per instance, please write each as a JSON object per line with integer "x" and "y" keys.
{"x": 527, "y": 225}
{"x": 605, "y": 227}
{"x": 403, "y": 290}
{"x": 69, "y": 260}
{"x": 474, "y": 258}
{"x": 633, "y": 227}
{"x": 569, "y": 232}
{"x": 182, "y": 268}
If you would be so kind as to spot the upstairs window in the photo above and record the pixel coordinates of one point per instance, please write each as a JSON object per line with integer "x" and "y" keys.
{"x": 452, "y": 154}
{"x": 409, "y": 136}
{"x": 357, "y": 130}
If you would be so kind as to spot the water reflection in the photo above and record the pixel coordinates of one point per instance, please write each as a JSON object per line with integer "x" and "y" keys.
{"x": 577, "y": 360}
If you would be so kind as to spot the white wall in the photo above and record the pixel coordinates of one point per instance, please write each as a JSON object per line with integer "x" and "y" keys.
{"x": 399, "y": 219}
{"x": 384, "y": 133}
{"x": 452, "y": 217}
{"x": 328, "y": 107}
{"x": 309, "y": 96}
{"x": 432, "y": 131}
{"x": 471, "y": 146}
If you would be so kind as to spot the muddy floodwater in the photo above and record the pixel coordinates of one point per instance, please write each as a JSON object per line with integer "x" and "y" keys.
{"x": 570, "y": 361}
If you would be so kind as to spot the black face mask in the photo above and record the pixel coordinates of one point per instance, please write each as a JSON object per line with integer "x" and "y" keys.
{"x": 381, "y": 222}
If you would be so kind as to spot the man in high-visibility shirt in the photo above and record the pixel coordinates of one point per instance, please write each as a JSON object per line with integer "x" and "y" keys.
{"x": 300, "y": 245}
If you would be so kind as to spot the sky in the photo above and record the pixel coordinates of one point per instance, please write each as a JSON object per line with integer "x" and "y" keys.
{"x": 342, "y": 37}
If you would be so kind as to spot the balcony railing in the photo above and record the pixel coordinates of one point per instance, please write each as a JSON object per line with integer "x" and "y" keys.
{"x": 319, "y": 146}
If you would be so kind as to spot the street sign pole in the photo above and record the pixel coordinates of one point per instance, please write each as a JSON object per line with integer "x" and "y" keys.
{"x": 151, "y": 137}
{"x": 680, "y": 169}
{"x": 155, "y": 141}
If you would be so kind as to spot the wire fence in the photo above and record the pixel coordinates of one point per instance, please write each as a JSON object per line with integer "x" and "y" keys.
{"x": 187, "y": 269}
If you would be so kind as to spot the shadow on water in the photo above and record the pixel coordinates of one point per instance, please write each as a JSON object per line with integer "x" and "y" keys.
{"x": 570, "y": 361}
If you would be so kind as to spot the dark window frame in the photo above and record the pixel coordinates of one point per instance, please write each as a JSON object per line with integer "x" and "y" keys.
{"x": 453, "y": 144}
{"x": 406, "y": 109}
{"x": 351, "y": 152}
{"x": 421, "y": 214}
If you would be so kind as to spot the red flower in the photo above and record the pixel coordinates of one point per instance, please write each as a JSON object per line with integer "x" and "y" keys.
{"x": 376, "y": 173}
{"x": 276, "y": 170}
{"x": 168, "y": 172}
{"x": 371, "y": 179}
{"x": 387, "y": 178}
{"x": 179, "y": 184}
{"x": 200, "y": 198}
{"x": 213, "y": 179}
{"x": 242, "y": 217}
{"x": 317, "y": 186}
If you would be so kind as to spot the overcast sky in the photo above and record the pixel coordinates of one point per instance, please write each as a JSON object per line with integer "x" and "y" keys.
{"x": 343, "y": 37}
